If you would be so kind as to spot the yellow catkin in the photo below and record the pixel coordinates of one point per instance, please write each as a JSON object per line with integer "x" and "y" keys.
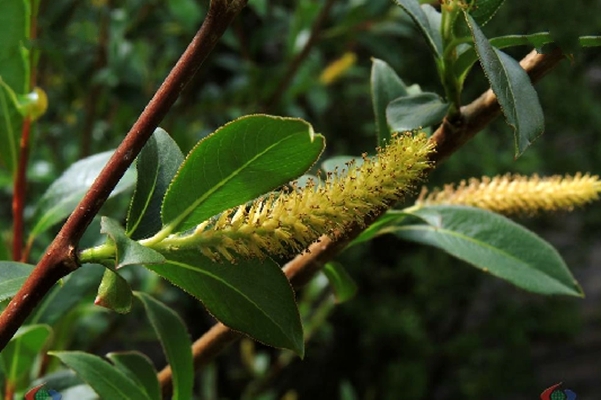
{"x": 288, "y": 222}
{"x": 516, "y": 194}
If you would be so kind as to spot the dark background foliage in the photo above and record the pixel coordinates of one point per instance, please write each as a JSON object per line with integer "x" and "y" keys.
{"x": 423, "y": 325}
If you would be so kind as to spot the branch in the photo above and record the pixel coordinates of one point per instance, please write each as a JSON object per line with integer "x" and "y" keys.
{"x": 60, "y": 258}
{"x": 449, "y": 137}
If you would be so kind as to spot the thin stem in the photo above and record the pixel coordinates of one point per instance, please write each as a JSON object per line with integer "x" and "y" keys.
{"x": 19, "y": 189}
{"x": 60, "y": 258}
{"x": 449, "y": 137}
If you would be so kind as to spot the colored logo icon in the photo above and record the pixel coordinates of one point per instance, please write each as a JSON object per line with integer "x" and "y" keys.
{"x": 555, "y": 393}
{"x": 41, "y": 393}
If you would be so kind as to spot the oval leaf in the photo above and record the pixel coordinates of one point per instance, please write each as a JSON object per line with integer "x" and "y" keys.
{"x": 494, "y": 244}
{"x": 513, "y": 89}
{"x": 174, "y": 338}
{"x": 65, "y": 193}
{"x": 415, "y": 111}
{"x": 157, "y": 164}
{"x": 106, "y": 380}
{"x": 240, "y": 161}
{"x": 12, "y": 276}
{"x": 385, "y": 87}
{"x": 253, "y": 296}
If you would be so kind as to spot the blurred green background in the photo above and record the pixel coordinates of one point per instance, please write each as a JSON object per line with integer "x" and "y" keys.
{"x": 423, "y": 325}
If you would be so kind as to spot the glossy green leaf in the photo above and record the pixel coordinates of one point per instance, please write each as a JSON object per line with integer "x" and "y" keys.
{"x": 19, "y": 355}
{"x": 157, "y": 164}
{"x": 415, "y": 111}
{"x": 12, "y": 276}
{"x": 114, "y": 292}
{"x": 513, "y": 89}
{"x": 240, "y": 161}
{"x": 420, "y": 18}
{"x": 129, "y": 252}
{"x": 343, "y": 286}
{"x": 483, "y": 10}
{"x": 14, "y": 72}
{"x": 251, "y": 296}
{"x": 494, "y": 244}
{"x": 106, "y": 380}
{"x": 137, "y": 367}
{"x": 65, "y": 193}
{"x": 174, "y": 338}
{"x": 385, "y": 87}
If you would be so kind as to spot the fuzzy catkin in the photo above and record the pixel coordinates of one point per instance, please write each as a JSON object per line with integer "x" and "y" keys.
{"x": 516, "y": 194}
{"x": 288, "y": 222}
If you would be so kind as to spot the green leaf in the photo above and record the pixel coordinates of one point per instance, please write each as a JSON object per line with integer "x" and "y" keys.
{"x": 252, "y": 296}
{"x": 63, "y": 298}
{"x": 513, "y": 88}
{"x": 14, "y": 71}
{"x": 65, "y": 193}
{"x": 12, "y": 276}
{"x": 375, "y": 229}
{"x": 240, "y": 161}
{"x": 537, "y": 40}
{"x": 483, "y": 10}
{"x": 20, "y": 354}
{"x": 385, "y": 87}
{"x": 156, "y": 166}
{"x": 420, "y": 18}
{"x": 415, "y": 111}
{"x": 137, "y": 367}
{"x": 174, "y": 338}
{"x": 129, "y": 252}
{"x": 466, "y": 60}
{"x": 106, "y": 380}
{"x": 343, "y": 285}
{"x": 114, "y": 292}
{"x": 494, "y": 244}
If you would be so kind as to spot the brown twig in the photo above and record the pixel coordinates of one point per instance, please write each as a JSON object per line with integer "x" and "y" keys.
{"x": 60, "y": 258}
{"x": 449, "y": 137}
{"x": 300, "y": 57}
{"x": 20, "y": 184}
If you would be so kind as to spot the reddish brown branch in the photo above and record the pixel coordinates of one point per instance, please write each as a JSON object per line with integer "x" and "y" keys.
{"x": 20, "y": 183}
{"x": 448, "y": 138}
{"x": 60, "y": 257}
{"x": 19, "y": 188}
{"x": 300, "y": 57}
